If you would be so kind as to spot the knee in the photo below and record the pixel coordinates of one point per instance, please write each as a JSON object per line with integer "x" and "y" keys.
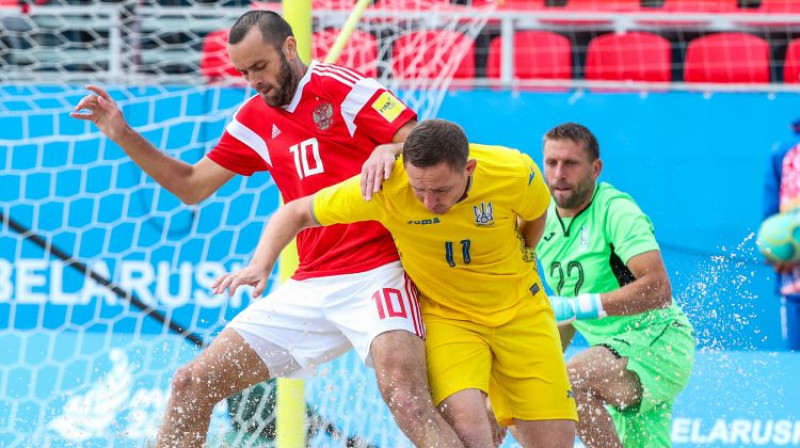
{"x": 580, "y": 382}
{"x": 409, "y": 400}
{"x": 473, "y": 428}
{"x": 403, "y": 382}
{"x": 189, "y": 385}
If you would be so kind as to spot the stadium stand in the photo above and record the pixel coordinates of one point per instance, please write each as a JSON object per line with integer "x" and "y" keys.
{"x": 73, "y": 40}
{"x": 600, "y": 5}
{"x": 791, "y": 67}
{"x": 215, "y": 64}
{"x": 780, "y": 6}
{"x": 537, "y": 55}
{"x": 331, "y": 5}
{"x": 706, "y": 6}
{"x": 635, "y": 56}
{"x": 530, "y": 5}
{"x": 727, "y": 58}
{"x": 408, "y": 62}
{"x": 360, "y": 51}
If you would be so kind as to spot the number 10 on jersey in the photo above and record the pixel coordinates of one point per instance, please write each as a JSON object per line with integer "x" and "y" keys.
{"x": 303, "y": 151}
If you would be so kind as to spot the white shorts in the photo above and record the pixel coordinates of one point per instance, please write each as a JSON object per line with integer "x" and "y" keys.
{"x": 305, "y": 323}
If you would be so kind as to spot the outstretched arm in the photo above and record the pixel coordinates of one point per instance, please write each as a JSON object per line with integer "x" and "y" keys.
{"x": 190, "y": 183}
{"x": 282, "y": 227}
{"x": 650, "y": 290}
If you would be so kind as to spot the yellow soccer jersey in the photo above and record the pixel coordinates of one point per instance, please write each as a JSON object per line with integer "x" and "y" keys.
{"x": 467, "y": 263}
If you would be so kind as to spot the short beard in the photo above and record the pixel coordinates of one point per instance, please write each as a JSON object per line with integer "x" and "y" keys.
{"x": 578, "y": 197}
{"x": 287, "y": 81}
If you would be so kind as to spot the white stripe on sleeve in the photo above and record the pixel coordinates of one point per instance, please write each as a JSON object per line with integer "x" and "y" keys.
{"x": 249, "y": 138}
{"x": 356, "y": 100}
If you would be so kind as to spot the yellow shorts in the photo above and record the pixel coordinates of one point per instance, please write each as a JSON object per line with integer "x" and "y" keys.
{"x": 518, "y": 364}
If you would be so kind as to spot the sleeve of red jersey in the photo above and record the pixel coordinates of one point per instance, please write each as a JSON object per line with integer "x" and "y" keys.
{"x": 366, "y": 105}
{"x": 383, "y": 115}
{"x": 241, "y": 149}
{"x": 234, "y": 155}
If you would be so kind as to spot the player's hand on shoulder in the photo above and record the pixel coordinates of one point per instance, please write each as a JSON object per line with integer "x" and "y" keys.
{"x": 99, "y": 108}
{"x": 378, "y": 168}
{"x": 249, "y": 276}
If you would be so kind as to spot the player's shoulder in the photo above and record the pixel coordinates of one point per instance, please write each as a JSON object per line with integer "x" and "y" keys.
{"x": 397, "y": 183}
{"x": 252, "y": 110}
{"x": 501, "y": 161}
{"x": 607, "y": 193}
{"x": 613, "y": 202}
{"x": 332, "y": 77}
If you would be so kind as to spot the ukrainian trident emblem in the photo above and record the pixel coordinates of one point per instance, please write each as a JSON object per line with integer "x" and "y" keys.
{"x": 483, "y": 215}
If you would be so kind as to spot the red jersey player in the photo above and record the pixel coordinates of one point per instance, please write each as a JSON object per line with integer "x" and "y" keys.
{"x": 311, "y": 127}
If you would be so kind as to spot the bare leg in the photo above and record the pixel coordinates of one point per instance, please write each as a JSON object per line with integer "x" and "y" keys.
{"x": 400, "y": 367}
{"x": 227, "y": 366}
{"x": 465, "y": 410}
{"x": 545, "y": 433}
{"x": 599, "y": 378}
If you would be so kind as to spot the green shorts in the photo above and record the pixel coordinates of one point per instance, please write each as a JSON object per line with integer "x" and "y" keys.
{"x": 662, "y": 356}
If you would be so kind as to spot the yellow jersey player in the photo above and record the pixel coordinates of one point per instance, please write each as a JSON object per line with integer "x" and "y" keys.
{"x": 462, "y": 217}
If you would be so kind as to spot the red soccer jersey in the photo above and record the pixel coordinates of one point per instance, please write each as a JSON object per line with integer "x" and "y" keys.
{"x": 321, "y": 138}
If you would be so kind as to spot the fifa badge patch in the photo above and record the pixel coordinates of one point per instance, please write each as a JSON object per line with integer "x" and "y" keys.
{"x": 323, "y": 116}
{"x": 483, "y": 215}
{"x": 388, "y": 106}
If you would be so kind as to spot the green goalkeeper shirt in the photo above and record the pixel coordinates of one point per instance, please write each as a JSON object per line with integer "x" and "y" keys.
{"x": 588, "y": 253}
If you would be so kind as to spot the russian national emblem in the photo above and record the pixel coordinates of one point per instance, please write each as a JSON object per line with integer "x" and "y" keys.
{"x": 483, "y": 215}
{"x": 323, "y": 116}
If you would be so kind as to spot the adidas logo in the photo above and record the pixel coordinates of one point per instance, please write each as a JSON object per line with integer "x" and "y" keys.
{"x": 275, "y": 131}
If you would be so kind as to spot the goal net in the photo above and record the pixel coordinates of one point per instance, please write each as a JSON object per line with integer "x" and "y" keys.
{"x": 104, "y": 275}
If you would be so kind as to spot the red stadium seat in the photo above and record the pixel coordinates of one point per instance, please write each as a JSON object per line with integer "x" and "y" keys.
{"x": 537, "y": 55}
{"x": 779, "y": 6}
{"x": 727, "y": 58}
{"x": 359, "y": 53}
{"x": 424, "y": 54}
{"x": 791, "y": 67}
{"x": 634, "y": 56}
{"x": 700, "y": 6}
{"x": 215, "y": 64}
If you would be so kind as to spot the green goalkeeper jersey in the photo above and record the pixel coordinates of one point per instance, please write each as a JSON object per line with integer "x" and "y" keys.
{"x": 588, "y": 253}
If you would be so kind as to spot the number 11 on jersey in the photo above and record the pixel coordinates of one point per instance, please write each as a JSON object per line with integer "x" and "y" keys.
{"x": 448, "y": 252}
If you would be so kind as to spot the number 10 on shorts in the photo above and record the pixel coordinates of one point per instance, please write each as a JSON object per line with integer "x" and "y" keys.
{"x": 400, "y": 311}
{"x": 390, "y": 301}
